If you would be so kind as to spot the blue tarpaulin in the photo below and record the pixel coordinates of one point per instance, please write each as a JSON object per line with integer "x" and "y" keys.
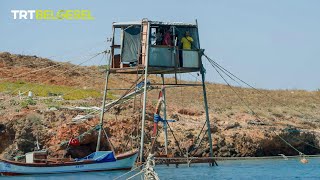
{"x": 100, "y": 156}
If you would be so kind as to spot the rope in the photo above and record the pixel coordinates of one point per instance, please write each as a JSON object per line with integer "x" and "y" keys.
{"x": 305, "y": 143}
{"x": 148, "y": 170}
{"x": 75, "y": 90}
{"x": 195, "y": 150}
{"x": 175, "y": 139}
{"x": 131, "y": 138}
{"x": 242, "y": 100}
{"x": 288, "y": 144}
{"x": 229, "y": 74}
{"x": 128, "y": 172}
{"x": 105, "y": 133}
{"x": 132, "y": 87}
{"x": 127, "y": 92}
{"x": 198, "y": 137}
{"x": 200, "y": 132}
{"x": 134, "y": 108}
{"x": 251, "y": 108}
{"x": 197, "y": 79}
{"x": 77, "y": 50}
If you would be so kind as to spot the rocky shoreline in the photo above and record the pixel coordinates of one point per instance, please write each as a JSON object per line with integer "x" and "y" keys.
{"x": 20, "y": 131}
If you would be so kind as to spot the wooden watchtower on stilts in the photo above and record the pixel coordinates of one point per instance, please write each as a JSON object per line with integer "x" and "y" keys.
{"x": 138, "y": 47}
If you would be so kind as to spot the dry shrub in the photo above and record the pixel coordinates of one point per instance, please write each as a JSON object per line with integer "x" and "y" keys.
{"x": 190, "y": 112}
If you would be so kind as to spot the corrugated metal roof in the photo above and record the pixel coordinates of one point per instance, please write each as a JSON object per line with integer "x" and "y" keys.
{"x": 121, "y": 24}
{"x": 172, "y": 23}
{"x": 124, "y": 24}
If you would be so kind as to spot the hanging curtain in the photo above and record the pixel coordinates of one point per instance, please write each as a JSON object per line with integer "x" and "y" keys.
{"x": 131, "y": 45}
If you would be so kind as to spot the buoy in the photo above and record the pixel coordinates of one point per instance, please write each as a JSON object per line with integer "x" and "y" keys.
{"x": 304, "y": 160}
{"x": 74, "y": 142}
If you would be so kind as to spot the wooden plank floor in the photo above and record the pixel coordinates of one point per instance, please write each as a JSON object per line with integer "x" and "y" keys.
{"x": 153, "y": 70}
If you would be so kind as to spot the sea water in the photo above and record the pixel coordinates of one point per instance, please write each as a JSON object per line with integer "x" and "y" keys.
{"x": 231, "y": 169}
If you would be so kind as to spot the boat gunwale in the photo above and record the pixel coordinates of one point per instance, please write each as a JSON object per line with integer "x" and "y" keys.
{"x": 22, "y": 174}
{"x": 71, "y": 163}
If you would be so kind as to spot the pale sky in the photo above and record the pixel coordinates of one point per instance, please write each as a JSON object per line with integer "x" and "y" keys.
{"x": 272, "y": 44}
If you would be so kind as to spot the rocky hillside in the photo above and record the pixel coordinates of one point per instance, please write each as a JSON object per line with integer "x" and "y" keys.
{"x": 290, "y": 115}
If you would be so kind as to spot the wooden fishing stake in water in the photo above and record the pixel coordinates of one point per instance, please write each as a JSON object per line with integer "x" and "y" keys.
{"x": 139, "y": 48}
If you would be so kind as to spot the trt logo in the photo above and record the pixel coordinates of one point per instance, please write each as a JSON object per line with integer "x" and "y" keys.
{"x": 23, "y": 14}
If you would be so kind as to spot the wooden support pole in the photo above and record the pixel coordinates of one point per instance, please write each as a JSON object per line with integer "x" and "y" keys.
{"x": 164, "y": 116}
{"x": 102, "y": 110}
{"x": 206, "y": 109}
{"x": 205, "y": 98}
{"x": 143, "y": 113}
{"x": 105, "y": 94}
{"x": 144, "y": 92}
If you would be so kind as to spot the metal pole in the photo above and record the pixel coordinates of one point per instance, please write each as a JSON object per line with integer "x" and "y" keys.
{"x": 206, "y": 109}
{"x": 144, "y": 94}
{"x": 143, "y": 112}
{"x": 174, "y": 55}
{"x": 164, "y": 116}
{"x": 105, "y": 93}
{"x": 102, "y": 110}
{"x": 205, "y": 96}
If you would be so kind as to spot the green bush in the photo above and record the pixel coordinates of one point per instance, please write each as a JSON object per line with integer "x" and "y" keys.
{"x": 27, "y": 102}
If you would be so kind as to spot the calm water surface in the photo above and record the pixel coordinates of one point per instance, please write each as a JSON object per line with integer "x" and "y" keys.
{"x": 239, "y": 169}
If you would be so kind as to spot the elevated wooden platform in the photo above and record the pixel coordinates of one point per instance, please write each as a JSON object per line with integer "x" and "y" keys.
{"x": 185, "y": 160}
{"x": 153, "y": 70}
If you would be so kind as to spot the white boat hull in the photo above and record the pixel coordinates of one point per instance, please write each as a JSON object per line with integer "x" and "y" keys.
{"x": 9, "y": 168}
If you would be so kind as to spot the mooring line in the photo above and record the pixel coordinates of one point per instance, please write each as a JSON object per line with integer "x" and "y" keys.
{"x": 253, "y": 112}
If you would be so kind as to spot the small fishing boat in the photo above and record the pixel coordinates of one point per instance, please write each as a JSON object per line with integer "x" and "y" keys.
{"x": 37, "y": 162}
{"x": 97, "y": 161}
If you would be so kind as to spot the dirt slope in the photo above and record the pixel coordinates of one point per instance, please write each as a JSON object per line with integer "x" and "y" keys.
{"x": 235, "y": 129}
